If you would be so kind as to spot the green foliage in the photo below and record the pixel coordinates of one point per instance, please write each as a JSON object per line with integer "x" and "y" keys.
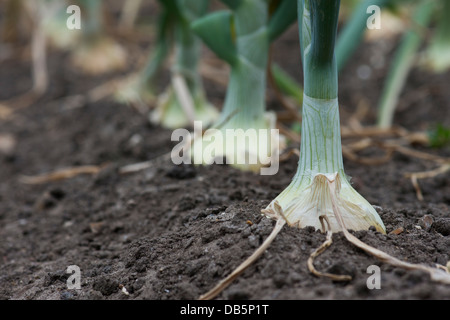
{"x": 402, "y": 63}
{"x": 215, "y": 30}
{"x": 284, "y": 15}
{"x": 439, "y": 136}
{"x": 353, "y": 31}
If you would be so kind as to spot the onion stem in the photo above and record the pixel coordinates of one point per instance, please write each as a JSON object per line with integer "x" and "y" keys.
{"x": 242, "y": 37}
{"x": 307, "y": 198}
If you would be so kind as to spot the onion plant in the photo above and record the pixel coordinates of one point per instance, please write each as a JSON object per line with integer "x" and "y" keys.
{"x": 241, "y": 37}
{"x": 184, "y": 100}
{"x": 95, "y": 52}
{"x": 140, "y": 87}
{"x": 308, "y": 197}
{"x": 320, "y": 195}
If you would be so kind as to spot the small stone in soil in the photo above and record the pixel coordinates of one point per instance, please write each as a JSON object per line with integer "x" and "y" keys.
{"x": 426, "y": 222}
{"x": 253, "y": 241}
{"x": 138, "y": 284}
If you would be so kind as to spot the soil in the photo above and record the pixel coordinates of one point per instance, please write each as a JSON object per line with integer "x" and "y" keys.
{"x": 172, "y": 232}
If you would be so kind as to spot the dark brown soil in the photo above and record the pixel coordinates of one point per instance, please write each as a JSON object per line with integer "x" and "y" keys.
{"x": 172, "y": 232}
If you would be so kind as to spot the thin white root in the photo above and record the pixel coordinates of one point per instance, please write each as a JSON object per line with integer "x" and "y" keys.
{"x": 436, "y": 274}
{"x": 416, "y": 186}
{"x": 430, "y": 174}
{"x": 239, "y": 270}
{"x": 426, "y": 174}
{"x": 319, "y": 250}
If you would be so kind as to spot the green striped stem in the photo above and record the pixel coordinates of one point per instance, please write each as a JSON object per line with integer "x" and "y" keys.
{"x": 347, "y": 42}
{"x": 321, "y": 150}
